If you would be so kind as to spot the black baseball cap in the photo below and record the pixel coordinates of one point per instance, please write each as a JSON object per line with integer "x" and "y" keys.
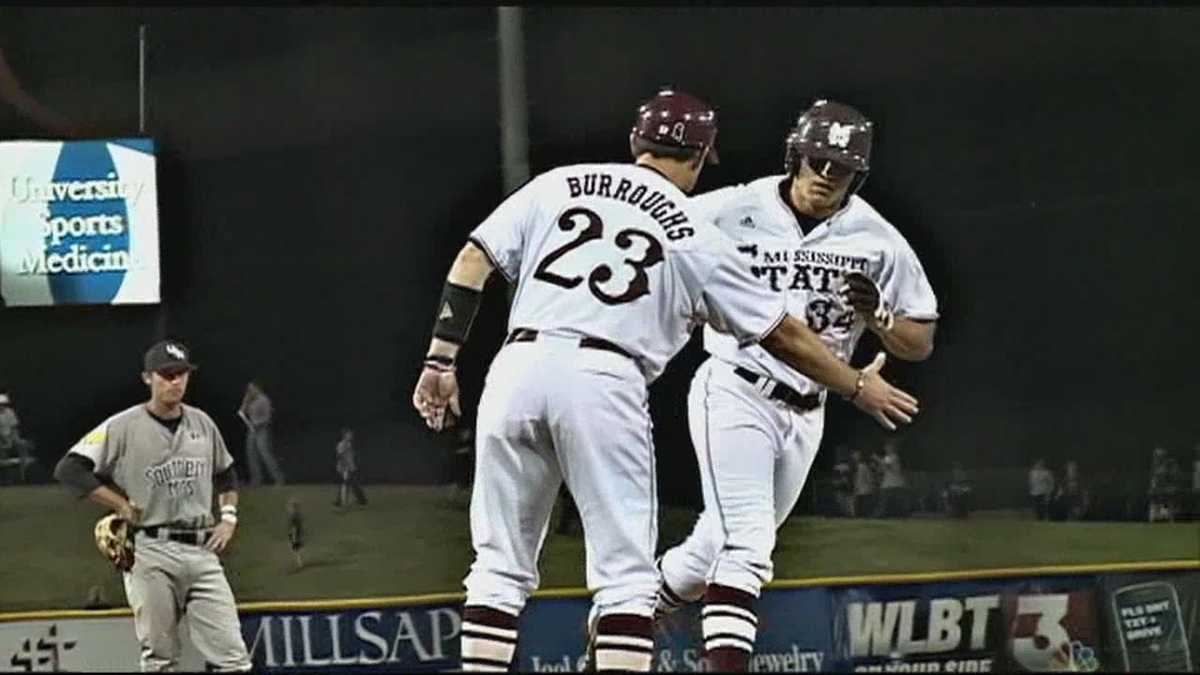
{"x": 168, "y": 355}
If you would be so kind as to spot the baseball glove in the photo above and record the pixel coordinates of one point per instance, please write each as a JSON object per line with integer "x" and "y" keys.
{"x": 863, "y": 294}
{"x": 114, "y": 538}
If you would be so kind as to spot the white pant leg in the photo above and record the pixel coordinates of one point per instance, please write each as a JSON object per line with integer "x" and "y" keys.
{"x": 516, "y": 481}
{"x": 796, "y": 460}
{"x": 154, "y": 594}
{"x": 600, "y": 419}
{"x": 212, "y": 612}
{"x": 743, "y": 438}
{"x": 753, "y": 455}
{"x": 685, "y": 567}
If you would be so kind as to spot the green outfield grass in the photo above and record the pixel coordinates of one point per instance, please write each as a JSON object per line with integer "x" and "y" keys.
{"x": 414, "y": 540}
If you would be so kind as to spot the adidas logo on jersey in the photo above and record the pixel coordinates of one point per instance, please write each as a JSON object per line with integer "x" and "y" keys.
{"x": 746, "y": 221}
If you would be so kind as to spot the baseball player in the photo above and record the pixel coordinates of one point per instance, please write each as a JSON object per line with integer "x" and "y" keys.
{"x": 613, "y": 271}
{"x": 157, "y": 465}
{"x": 755, "y": 423}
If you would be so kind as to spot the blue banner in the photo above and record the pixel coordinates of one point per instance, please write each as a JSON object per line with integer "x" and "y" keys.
{"x": 794, "y": 635}
{"x": 415, "y": 639}
{"x": 967, "y": 627}
{"x": 1126, "y": 623}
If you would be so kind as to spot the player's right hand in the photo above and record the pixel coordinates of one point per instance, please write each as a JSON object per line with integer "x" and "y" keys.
{"x": 131, "y": 512}
{"x": 435, "y": 395}
{"x": 879, "y": 399}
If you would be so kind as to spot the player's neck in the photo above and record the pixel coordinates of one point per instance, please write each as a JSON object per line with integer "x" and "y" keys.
{"x": 674, "y": 171}
{"x": 802, "y": 205}
{"x": 164, "y": 411}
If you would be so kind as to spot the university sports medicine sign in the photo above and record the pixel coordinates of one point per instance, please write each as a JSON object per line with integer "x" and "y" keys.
{"x": 78, "y": 222}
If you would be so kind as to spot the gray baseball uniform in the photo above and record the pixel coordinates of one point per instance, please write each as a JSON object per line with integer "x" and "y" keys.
{"x": 170, "y": 476}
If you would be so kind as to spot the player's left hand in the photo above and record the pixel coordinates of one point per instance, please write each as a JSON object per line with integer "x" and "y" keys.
{"x": 863, "y": 294}
{"x": 219, "y": 539}
{"x": 436, "y": 397}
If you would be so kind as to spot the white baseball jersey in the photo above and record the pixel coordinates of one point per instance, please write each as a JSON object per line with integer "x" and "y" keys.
{"x": 755, "y": 453}
{"x": 613, "y": 251}
{"x": 809, "y": 268}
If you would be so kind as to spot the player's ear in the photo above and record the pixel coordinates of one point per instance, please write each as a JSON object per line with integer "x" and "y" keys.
{"x": 147, "y": 379}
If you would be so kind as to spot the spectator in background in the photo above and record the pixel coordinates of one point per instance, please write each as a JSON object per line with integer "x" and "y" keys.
{"x": 892, "y": 484}
{"x": 16, "y": 453}
{"x": 1071, "y": 499}
{"x": 958, "y": 493}
{"x": 1041, "y": 489}
{"x": 1164, "y": 486}
{"x": 295, "y": 521}
{"x": 864, "y": 485}
{"x": 257, "y": 412}
{"x": 843, "y": 482}
{"x": 1195, "y": 510}
{"x": 347, "y": 469}
{"x": 463, "y": 464}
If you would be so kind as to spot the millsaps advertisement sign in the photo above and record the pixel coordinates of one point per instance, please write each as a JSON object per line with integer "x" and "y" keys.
{"x": 967, "y": 627}
{"x": 413, "y": 639}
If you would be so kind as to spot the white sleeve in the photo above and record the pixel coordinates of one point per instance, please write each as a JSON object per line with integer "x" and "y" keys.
{"x": 905, "y": 286}
{"x": 732, "y": 300}
{"x": 100, "y": 447}
{"x": 709, "y": 204}
{"x": 502, "y": 234}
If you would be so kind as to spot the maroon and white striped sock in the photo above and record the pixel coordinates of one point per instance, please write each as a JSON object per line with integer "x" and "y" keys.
{"x": 489, "y": 638}
{"x": 624, "y": 642}
{"x": 730, "y": 627}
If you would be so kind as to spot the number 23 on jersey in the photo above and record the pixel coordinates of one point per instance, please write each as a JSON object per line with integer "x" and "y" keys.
{"x": 560, "y": 258}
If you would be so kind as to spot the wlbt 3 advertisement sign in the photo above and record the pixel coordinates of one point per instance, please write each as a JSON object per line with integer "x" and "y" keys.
{"x": 78, "y": 222}
{"x": 971, "y": 627}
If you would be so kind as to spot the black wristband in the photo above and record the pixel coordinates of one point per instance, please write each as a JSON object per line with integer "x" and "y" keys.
{"x": 456, "y": 311}
{"x": 439, "y": 362}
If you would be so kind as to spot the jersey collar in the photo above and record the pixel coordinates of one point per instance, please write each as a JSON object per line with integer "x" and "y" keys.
{"x": 805, "y": 224}
{"x": 650, "y": 168}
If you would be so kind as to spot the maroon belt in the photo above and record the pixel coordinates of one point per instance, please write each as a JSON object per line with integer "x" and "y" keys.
{"x": 530, "y": 335}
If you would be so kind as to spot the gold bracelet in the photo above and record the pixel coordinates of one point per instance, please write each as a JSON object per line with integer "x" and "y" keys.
{"x": 858, "y": 386}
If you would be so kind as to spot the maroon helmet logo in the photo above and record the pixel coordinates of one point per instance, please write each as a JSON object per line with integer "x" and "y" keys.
{"x": 678, "y": 119}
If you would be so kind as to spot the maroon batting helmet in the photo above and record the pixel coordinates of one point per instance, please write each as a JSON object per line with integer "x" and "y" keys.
{"x": 833, "y": 131}
{"x": 675, "y": 118}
